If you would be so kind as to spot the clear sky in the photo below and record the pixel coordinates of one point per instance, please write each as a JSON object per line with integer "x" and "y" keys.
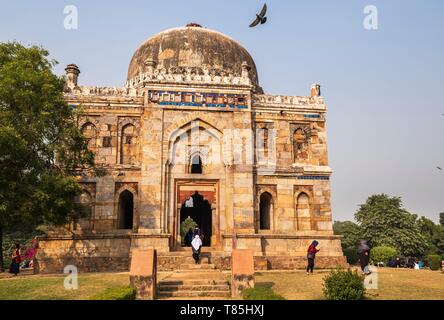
{"x": 383, "y": 87}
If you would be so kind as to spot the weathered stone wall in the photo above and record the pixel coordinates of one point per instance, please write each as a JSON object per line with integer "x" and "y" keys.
{"x": 97, "y": 254}
{"x": 112, "y": 253}
{"x": 272, "y": 262}
{"x": 290, "y": 245}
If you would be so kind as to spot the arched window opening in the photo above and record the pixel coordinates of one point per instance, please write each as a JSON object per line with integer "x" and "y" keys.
{"x": 89, "y": 131}
{"x": 303, "y": 212}
{"x": 126, "y": 210}
{"x": 85, "y": 201}
{"x": 265, "y": 141}
{"x": 128, "y": 145}
{"x": 265, "y": 206}
{"x": 83, "y": 215}
{"x": 300, "y": 144}
{"x": 196, "y": 165}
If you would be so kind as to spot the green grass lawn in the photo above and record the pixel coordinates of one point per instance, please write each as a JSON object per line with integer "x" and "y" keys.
{"x": 394, "y": 284}
{"x": 51, "y": 287}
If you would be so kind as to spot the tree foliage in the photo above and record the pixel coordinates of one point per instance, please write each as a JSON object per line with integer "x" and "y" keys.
{"x": 40, "y": 143}
{"x": 382, "y": 254}
{"x": 434, "y": 235}
{"x": 186, "y": 225}
{"x": 384, "y": 222}
{"x": 350, "y": 231}
{"x": 434, "y": 261}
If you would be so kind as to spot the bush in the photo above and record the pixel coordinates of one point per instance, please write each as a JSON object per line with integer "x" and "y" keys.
{"x": 344, "y": 285}
{"x": 384, "y": 254}
{"x": 119, "y": 293}
{"x": 435, "y": 261}
{"x": 261, "y": 293}
{"x": 351, "y": 254}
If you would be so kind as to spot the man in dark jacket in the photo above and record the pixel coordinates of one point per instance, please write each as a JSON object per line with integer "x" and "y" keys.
{"x": 364, "y": 257}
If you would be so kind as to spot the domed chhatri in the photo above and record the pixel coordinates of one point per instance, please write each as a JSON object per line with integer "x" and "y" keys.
{"x": 199, "y": 53}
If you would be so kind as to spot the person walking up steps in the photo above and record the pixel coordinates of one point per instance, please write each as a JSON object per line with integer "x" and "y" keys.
{"x": 196, "y": 244}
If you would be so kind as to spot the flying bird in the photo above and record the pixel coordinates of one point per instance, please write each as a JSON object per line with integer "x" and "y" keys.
{"x": 260, "y": 18}
{"x": 439, "y": 168}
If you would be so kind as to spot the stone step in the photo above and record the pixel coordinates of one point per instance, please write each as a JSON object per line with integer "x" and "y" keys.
{"x": 192, "y": 282}
{"x": 203, "y": 260}
{"x": 186, "y": 294}
{"x": 202, "y": 250}
{"x": 193, "y": 266}
{"x": 206, "y": 287}
{"x": 188, "y": 252}
{"x": 26, "y": 271}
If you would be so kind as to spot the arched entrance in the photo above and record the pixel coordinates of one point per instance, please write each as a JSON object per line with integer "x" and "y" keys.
{"x": 265, "y": 207}
{"x": 126, "y": 210}
{"x": 198, "y": 209}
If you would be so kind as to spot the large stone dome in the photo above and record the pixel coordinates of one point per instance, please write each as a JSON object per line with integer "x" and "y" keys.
{"x": 193, "y": 49}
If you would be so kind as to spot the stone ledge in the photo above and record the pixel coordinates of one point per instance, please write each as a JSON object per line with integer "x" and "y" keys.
{"x": 284, "y": 236}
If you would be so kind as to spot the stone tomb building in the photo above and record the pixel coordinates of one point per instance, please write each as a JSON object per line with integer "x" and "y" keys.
{"x": 192, "y": 139}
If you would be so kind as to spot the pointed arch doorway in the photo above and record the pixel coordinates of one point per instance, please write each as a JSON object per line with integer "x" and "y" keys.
{"x": 197, "y": 203}
{"x": 196, "y": 211}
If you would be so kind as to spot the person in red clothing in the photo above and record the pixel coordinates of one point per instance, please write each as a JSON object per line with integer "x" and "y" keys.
{"x": 16, "y": 259}
{"x": 311, "y": 255}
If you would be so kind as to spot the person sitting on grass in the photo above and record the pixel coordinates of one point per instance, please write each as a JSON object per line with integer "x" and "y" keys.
{"x": 411, "y": 263}
{"x": 391, "y": 263}
{"x": 420, "y": 264}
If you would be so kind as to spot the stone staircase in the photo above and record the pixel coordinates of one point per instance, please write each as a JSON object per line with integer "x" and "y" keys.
{"x": 193, "y": 281}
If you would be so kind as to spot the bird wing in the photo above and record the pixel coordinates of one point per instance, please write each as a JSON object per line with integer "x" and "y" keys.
{"x": 263, "y": 11}
{"x": 255, "y": 23}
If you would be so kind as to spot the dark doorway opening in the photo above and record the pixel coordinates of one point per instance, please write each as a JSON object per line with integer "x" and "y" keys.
{"x": 196, "y": 165}
{"x": 199, "y": 210}
{"x": 126, "y": 210}
{"x": 264, "y": 211}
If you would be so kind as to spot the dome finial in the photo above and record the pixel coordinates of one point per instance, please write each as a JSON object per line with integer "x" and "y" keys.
{"x": 194, "y": 25}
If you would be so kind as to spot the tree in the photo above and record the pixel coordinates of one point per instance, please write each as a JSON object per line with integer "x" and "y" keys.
{"x": 351, "y": 231}
{"x": 430, "y": 231}
{"x": 438, "y": 240}
{"x": 441, "y": 219}
{"x": 385, "y": 223}
{"x": 40, "y": 143}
